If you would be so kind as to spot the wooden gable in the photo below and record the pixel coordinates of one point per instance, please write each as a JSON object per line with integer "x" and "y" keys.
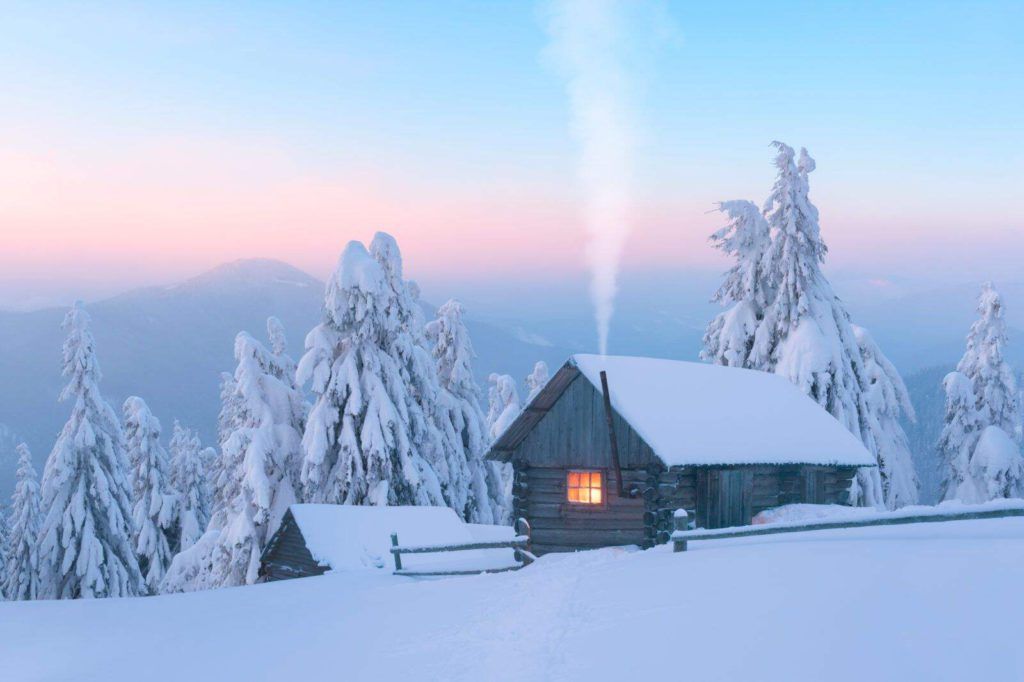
{"x": 570, "y": 429}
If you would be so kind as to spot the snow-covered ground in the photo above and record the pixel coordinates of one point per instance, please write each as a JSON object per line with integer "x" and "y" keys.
{"x": 931, "y": 601}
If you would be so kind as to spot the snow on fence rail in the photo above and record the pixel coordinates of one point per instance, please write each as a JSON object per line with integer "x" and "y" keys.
{"x": 520, "y": 544}
{"x": 681, "y": 521}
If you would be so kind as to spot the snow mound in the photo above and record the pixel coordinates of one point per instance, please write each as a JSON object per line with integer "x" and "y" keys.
{"x": 790, "y": 513}
{"x": 696, "y": 414}
{"x": 348, "y": 537}
{"x": 799, "y": 514}
{"x": 937, "y": 601}
{"x": 996, "y": 465}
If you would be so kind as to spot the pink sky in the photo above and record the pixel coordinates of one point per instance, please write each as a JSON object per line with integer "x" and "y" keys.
{"x": 163, "y": 210}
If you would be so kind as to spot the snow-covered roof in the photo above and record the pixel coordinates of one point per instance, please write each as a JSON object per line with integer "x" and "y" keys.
{"x": 696, "y": 414}
{"x": 348, "y": 537}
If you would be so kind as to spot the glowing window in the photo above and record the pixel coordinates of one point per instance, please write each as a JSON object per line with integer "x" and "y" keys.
{"x": 585, "y": 487}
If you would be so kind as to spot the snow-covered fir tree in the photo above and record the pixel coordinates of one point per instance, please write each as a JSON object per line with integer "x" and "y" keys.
{"x": 979, "y": 464}
{"x": 188, "y": 478}
{"x": 434, "y": 436}
{"x": 21, "y": 567}
{"x": 503, "y": 404}
{"x": 730, "y": 335}
{"x": 210, "y": 459}
{"x": 996, "y": 469}
{"x": 85, "y": 547}
{"x": 887, "y": 400}
{"x": 284, "y": 369}
{"x": 361, "y": 444}
{"x": 264, "y": 447}
{"x": 783, "y": 317}
{"x": 984, "y": 363}
{"x": 453, "y": 352}
{"x": 259, "y": 425}
{"x": 153, "y": 501}
{"x": 227, "y": 418}
{"x": 220, "y": 470}
{"x": 4, "y": 548}
{"x": 536, "y": 380}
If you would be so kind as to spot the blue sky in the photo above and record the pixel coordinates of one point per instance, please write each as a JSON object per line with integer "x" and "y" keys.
{"x": 912, "y": 109}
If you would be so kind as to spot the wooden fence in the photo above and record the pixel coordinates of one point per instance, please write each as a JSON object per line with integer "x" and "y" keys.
{"x": 520, "y": 544}
{"x": 681, "y": 535}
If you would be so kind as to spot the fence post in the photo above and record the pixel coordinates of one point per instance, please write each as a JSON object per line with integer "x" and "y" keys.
{"x": 398, "y": 556}
{"x": 522, "y": 527}
{"x": 680, "y": 521}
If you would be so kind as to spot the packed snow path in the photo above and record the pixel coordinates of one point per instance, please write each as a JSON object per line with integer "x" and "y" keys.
{"x": 936, "y": 601}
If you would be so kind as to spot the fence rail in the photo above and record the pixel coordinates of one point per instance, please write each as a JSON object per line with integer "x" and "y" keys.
{"x": 681, "y": 535}
{"x": 520, "y": 544}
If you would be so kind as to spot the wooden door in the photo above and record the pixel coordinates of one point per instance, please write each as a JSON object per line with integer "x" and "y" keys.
{"x": 724, "y": 497}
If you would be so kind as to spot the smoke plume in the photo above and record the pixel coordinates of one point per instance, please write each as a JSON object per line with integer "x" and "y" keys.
{"x": 592, "y": 46}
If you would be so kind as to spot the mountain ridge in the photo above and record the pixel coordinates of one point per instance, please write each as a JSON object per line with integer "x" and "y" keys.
{"x": 169, "y": 345}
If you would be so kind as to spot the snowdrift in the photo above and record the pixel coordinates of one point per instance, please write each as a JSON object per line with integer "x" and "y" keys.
{"x": 938, "y": 601}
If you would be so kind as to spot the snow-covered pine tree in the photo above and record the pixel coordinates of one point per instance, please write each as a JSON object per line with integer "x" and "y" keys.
{"x": 745, "y": 291}
{"x": 21, "y": 566}
{"x": 283, "y": 368}
{"x": 536, "y": 380}
{"x": 227, "y": 418}
{"x": 153, "y": 501}
{"x": 263, "y": 445}
{"x": 210, "y": 459}
{"x": 260, "y": 441}
{"x": 85, "y": 547}
{"x": 961, "y": 429}
{"x": 783, "y": 317}
{"x": 805, "y": 334}
{"x": 981, "y": 395}
{"x": 220, "y": 470}
{"x": 453, "y": 352}
{"x": 985, "y": 364}
{"x": 359, "y": 447}
{"x": 503, "y": 404}
{"x": 187, "y": 476}
{"x": 433, "y": 434}
{"x": 4, "y": 549}
{"x": 887, "y": 400}
{"x": 996, "y": 468}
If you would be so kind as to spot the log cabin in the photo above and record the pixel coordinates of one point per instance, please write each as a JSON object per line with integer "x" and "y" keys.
{"x": 612, "y": 446}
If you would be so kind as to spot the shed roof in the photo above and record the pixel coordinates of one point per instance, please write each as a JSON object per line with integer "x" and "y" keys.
{"x": 695, "y": 414}
{"x": 349, "y": 537}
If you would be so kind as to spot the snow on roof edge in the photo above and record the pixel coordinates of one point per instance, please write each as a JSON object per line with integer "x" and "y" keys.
{"x": 796, "y": 428}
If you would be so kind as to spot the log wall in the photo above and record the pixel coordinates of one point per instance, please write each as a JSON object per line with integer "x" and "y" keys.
{"x": 719, "y": 497}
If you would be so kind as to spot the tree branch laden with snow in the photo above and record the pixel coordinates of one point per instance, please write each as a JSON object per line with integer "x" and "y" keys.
{"x": 85, "y": 546}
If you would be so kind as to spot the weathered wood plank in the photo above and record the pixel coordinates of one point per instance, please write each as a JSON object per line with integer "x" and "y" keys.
{"x": 519, "y": 542}
{"x": 540, "y": 510}
{"x": 635, "y": 523}
{"x": 572, "y": 433}
{"x": 581, "y": 537}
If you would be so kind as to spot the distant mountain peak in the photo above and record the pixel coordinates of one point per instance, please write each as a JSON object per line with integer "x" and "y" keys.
{"x": 253, "y": 271}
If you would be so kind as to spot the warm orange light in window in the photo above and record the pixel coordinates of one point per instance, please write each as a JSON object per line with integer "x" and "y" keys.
{"x": 585, "y": 487}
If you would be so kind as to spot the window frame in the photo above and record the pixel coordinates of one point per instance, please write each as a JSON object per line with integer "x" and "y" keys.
{"x": 577, "y": 505}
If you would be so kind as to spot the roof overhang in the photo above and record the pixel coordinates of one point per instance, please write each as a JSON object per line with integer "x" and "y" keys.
{"x": 502, "y": 448}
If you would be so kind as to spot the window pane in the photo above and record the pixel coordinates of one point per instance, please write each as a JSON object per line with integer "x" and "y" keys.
{"x": 584, "y": 487}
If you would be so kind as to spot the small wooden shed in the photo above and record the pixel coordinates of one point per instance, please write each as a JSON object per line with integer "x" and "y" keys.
{"x": 315, "y": 538}
{"x": 612, "y": 446}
